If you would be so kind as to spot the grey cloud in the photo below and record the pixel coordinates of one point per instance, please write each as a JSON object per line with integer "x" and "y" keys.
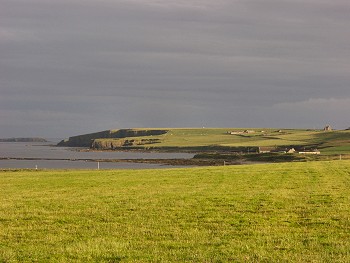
{"x": 170, "y": 63}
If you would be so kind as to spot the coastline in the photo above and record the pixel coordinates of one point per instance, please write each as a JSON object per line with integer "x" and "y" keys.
{"x": 175, "y": 162}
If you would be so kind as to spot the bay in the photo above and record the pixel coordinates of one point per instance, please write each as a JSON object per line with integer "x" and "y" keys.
{"x": 75, "y": 158}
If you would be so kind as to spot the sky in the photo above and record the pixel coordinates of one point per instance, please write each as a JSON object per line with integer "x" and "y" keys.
{"x": 70, "y": 67}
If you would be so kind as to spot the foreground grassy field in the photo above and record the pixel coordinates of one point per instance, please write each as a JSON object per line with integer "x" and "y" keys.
{"x": 291, "y": 212}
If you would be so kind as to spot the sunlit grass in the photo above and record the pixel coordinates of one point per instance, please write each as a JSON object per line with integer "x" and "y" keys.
{"x": 294, "y": 212}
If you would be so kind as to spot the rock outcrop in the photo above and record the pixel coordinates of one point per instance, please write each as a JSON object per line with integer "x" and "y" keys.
{"x": 111, "y": 144}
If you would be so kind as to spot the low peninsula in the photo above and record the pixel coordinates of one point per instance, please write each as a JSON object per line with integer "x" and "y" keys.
{"x": 29, "y": 139}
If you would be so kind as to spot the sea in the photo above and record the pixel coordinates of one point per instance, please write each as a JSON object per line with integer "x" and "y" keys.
{"x": 45, "y": 155}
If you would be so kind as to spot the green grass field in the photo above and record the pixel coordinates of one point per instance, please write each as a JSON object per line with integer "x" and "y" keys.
{"x": 289, "y": 212}
{"x": 333, "y": 142}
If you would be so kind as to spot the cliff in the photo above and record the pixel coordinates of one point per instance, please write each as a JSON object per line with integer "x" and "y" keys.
{"x": 111, "y": 144}
{"x": 88, "y": 140}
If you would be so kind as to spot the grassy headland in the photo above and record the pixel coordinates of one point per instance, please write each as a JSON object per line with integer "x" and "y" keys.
{"x": 296, "y": 212}
{"x": 216, "y": 139}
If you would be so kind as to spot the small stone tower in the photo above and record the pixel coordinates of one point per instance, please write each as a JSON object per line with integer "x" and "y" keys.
{"x": 327, "y": 128}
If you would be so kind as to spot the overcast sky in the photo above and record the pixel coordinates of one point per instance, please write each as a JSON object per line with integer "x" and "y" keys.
{"x": 69, "y": 67}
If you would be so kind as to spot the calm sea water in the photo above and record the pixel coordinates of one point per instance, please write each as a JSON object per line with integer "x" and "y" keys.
{"x": 44, "y": 150}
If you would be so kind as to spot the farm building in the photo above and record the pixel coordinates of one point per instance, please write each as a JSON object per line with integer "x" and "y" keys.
{"x": 292, "y": 150}
{"x": 311, "y": 152}
{"x": 266, "y": 149}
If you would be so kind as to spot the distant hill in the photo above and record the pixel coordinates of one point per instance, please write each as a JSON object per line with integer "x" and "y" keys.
{"x": 23, "y": 140}
{"x": 241, "y": 140}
